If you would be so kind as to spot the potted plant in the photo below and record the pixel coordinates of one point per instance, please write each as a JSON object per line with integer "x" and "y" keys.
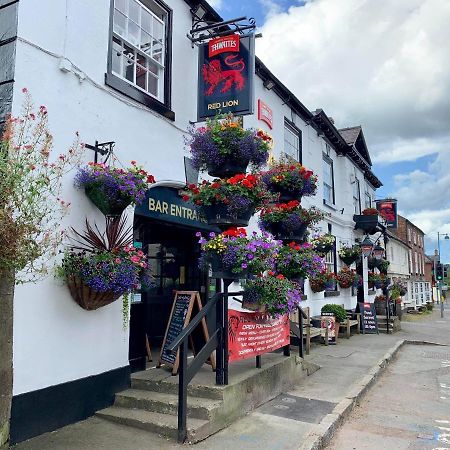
{"x": 323, "y": 280}
{"x": 100, "y": 268}
{"x": 290, "y": 180}
{"x": 338, "y": 312}
{"x": 224, "y": 148}
{"x": 298, "y": 261}
{"x": 275, "y": 294}
{"x": 380, "y": 305}
{"x": 289, "y": 221}
{"x": 347, "y": 278}
{"x": 112, "y": 189}
{"x": 233, "y": 255}
{"x": 369, "y": 221}
{"x": 349, "y": 254}
{"x": 232, "y": 201}
{"x": 323, "y": 243}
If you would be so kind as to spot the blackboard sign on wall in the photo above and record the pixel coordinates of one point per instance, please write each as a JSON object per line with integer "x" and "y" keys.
{"x": 179, "y": 318}
{"x": 369, "y": 323}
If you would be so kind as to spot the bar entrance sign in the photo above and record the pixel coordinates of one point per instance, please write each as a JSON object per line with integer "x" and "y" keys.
{"x": 369, "y": 322}
{"x": 180, "y": 315}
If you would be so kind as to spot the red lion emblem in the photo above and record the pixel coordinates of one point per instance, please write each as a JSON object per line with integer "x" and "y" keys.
{"x": 214, "y": 75}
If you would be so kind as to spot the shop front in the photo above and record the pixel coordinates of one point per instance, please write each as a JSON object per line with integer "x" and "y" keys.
{"x": 165, "y": 228}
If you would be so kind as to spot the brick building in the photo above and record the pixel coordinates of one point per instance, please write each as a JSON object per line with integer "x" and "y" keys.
{"x": 419, "y": 286}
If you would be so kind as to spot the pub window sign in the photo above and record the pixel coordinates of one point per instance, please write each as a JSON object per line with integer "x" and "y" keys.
{"x": 225, "y": 79}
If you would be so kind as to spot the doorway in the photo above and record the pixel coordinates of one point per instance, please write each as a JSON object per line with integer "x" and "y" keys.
{"x": 173, "y": 253}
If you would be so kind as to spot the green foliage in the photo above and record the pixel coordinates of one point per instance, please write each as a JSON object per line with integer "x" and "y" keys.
{"x": 337, "y": 310}
{"x": 31, "y": 208}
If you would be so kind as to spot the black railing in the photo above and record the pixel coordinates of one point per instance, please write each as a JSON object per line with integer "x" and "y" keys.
{"x": 298, "y": 330}
{"x": 218, "y": 341}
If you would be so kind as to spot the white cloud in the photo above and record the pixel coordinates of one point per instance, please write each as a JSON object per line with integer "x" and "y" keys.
{"x": 216, "y": 4}
{"x": 384, "y": 64}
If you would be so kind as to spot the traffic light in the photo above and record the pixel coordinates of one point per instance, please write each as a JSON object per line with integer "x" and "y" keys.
{"x": 439, "y": 271}
{"x": 445, "y": 271}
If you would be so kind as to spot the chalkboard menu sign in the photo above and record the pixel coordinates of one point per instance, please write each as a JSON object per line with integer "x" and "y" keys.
{"x": 179, "y": 318}
{"x": 180, "y": 308}
{"x": 369, "y": 323}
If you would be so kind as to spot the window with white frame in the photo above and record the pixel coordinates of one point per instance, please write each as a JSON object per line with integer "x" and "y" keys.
{"x": 329, "y": 261}
{"x": 368, "y": 200}
{"x": 292, "y": 141}
{"x": 409, "y": 234}
{"x": 356, "y": 197}
{"x": 138, "y": 50}
{"x": 328, "y": 180}
{"x": 414, "y": 237}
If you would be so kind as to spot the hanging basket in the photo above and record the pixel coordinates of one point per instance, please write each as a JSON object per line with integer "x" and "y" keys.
{"x": 219, "y": 215}
{"x": 373, "y": 263}
{"x": 109, "y": 206}
{"x": 323, "y": 249}
{"x": 370, "y": 224}
{"x": 87, "y": 297}
{"x": 219, "y": 271}
{"x": 280, "y": 232}
{"x": 228, "y": 168}
{"x": 316, "y": 286}
{"x": 285, "y": 194}
{"x": 349, "y": 260}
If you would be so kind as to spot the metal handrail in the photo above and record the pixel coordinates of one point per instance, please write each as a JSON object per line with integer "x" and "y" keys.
{"x": 216, "y": 342}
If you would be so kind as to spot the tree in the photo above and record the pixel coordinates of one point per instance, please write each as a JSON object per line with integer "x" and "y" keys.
{"x": 31, "y": 213}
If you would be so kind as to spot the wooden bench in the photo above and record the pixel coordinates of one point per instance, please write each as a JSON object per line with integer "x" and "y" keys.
{"x": 308, "y": 331}
{"x": 353, "y": 320}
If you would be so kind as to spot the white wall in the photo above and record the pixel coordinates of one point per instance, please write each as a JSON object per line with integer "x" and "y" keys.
{"x": 54, "y": 339}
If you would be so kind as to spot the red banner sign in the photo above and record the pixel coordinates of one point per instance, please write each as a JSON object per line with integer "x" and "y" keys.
{"x": 265, "y": 113}
{"x": 253, "y": 334}
{"x": 223, "y": 44}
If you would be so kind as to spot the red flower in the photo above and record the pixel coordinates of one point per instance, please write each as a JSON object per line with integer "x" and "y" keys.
{"x": 280, "y": 277}
{"x": 133, "y": 162}
{"x": 185, "y": 198}
{"x": 215, "y": 185}
{"x": 150, "y": 179}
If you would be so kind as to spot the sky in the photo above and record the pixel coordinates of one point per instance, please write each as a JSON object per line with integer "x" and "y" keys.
{"x": 382, "y": 64}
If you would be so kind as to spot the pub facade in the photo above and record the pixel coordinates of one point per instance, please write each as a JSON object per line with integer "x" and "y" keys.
{"x": 125, "y": 71}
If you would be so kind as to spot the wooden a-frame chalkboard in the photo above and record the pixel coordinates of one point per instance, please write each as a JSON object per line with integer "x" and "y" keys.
{"x": 179, "y": 318}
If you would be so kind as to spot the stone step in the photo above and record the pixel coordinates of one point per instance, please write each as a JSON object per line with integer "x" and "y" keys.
{"x": 140, "y": 381}
{"x": 163, "y": 424}
{"x": 198, "y": 407}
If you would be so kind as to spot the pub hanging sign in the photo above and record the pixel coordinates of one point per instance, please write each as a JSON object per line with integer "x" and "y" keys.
{"x": 388, "y": 211}
{"x": 225, "y": 79}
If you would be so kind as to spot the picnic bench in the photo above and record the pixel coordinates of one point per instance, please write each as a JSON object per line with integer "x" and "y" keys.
{"x": 309, "y": 331}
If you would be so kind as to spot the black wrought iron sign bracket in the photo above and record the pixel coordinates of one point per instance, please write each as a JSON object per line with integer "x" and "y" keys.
{"x": 203, "y": 30}
{"x": 104, "y": 148}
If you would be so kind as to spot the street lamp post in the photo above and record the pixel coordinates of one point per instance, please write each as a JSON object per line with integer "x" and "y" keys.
{"x": 439, "y": 286}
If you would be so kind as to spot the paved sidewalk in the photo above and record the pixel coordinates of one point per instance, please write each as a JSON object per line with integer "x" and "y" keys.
{"x": 298, "y": 419}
